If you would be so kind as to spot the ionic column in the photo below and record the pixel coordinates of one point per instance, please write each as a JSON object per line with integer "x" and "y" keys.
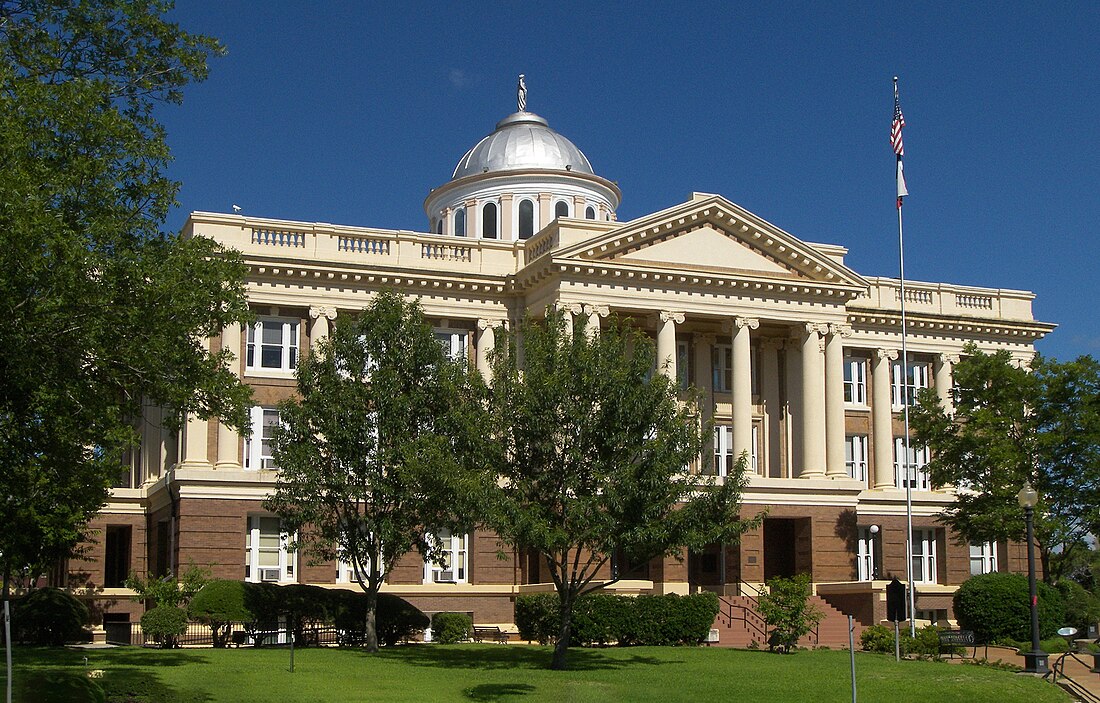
{"x": 813, "y": 402}
{"x": 773, "y": 408}
{"x": 704, "y": 343}
{"x": 321, "y": 315}
{"x": 742, "y": 384}
{"x": 666, "y": 343}
{"x": 229, "y": 457}
{"x": 592, "y": 324}
{"x": 195, "y": 442}
{"x": 834, "y": 401}
{"x": 486, "y": 342}
{"x": 942, "y": 368}
{"x": 882, "y": 417}
{"x": 568, "y": 312}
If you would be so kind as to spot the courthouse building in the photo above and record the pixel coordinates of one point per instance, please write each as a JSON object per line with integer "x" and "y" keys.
{"x": 797, "y": 357}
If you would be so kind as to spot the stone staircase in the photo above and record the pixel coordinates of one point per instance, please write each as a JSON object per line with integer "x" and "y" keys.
{"x": 739, "y": 624}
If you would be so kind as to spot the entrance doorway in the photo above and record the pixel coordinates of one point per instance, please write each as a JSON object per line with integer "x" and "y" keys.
{"x": 787, "y": 549}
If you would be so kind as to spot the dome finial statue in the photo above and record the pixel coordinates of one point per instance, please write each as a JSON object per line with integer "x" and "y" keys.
{"x": 521, "y": 94}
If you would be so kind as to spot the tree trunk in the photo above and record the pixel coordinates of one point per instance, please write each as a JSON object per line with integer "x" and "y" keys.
{"x": 370, "y": 632}
{"x": 1044, "y": 562}
{"x": 561, "y": 647}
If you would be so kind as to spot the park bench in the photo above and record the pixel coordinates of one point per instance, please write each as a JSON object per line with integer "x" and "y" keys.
{"x": 482, "y": 633}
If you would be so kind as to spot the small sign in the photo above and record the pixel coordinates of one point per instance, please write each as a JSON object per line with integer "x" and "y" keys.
{"x": 895, "y": 601}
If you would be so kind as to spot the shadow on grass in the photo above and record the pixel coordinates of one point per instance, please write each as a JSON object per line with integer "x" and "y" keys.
{"x": 122, "y": 675}
{"x": 488, "y": 657}
{"x": 489, "y": 692}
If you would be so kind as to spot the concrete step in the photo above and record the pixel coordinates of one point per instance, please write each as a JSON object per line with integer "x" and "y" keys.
{"x": 739, "y": 625}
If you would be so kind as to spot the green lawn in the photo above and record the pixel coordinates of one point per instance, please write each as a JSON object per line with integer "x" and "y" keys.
{"x": 430, "y": 673}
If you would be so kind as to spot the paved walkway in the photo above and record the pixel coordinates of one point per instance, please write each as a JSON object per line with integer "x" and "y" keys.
{"x": 1073, "y": 667}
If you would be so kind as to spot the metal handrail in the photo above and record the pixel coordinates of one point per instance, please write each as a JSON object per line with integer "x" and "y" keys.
{"x": 1059, "y": 670}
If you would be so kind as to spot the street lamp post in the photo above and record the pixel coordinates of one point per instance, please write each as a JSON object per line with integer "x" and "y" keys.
{"x": 1035, "y": 661}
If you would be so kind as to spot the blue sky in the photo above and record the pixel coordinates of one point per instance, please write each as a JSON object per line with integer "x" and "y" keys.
{"x": 350, "y": 112}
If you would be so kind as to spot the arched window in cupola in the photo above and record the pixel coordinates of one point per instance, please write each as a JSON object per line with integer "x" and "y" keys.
{"x": 460, "y": 222}
{"x": 561, "y": 209}
{"x": 526, "y": 219}
{"x": 489, "y": 221}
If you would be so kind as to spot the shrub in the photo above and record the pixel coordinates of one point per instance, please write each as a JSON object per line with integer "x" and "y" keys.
{"x": 396, "y": 620}
{"x": 450, "y": 628}
{"x": 880, "y": 638}
{"x": 48, "y": 617}
{"x": 219, "y": 604}
{"x": 997, "y": 606}
{"x": 164, "y": 624}
{"x": 785, "y": 605}
{"x": 305, "y": 608}
{"x": 601, "y": 618}
{"x": 1082, "y": 607}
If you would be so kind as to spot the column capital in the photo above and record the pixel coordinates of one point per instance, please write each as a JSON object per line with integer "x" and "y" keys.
{"x": 816, "y": 328}
{"x": 948, "y": 358}
{"x": 489, "y": 323}
{"x": 316, "y": 311}
{"x": 667, "y": 316}
{"x": 751, "y": 322}
{"x": 840, "y": 330}
{"x": 596, "y": 310}
{"x": 887, "y": 354}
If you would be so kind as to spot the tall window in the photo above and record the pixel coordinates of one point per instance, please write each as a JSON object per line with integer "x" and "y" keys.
{"x": 454, "y": 342}
{"x": 561, "y": 209}
{"x": 905, "y": 385}
{"x": 866, "y": 553}
{"x": 724, "y": 459}
{"x": 257, "y": 447}
{"x": 722, "y": 365}
{"x": 526, "y": 219}
{"x": 267, "y": 557}
{"x": 855, "y": 380}
{"x": 489, "y": 221}
{"x": 345, "y": 570}
{"x": 460, "y": 222}
{"x": 682, "y": 365}
{"x": 454, "y": 566}
{"x": 439, "y": 226}
{"x": 855, "y": 456}
{"x": 272, "y": 345}
{"x": 917, "y": 478}
{"x": 116, "y": 558}
{"x": 983, "y": 558}
{"x": 590, "y": 213}
{"x": 924, "y": 556}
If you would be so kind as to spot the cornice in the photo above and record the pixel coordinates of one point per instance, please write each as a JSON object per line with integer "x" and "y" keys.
{"x": 306, "y": 273}
{"x": 879, "y": 320}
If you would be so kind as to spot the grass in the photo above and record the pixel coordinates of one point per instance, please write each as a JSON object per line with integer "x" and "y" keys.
{"x": 470, "y": 672}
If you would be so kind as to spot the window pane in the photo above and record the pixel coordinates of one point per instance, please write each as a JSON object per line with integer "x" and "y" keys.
{"x": 561, "y": 209}
{"x": 272, "y": 333}
{"x": 489, "y": 221}
{"x": 526, "y": 219}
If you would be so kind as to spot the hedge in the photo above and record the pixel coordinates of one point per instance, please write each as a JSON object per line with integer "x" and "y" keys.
{"x": 880, "y": 638}
{"x": 451, "y": 628}
{"x": 48, "y": 617}
{"x": 601, "y": 618}
{"x": 997, "y": 607}
{"x": 219, "y": 604}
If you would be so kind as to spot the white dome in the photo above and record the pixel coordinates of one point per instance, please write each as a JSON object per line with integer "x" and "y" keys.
{"x": 522, "y": 140}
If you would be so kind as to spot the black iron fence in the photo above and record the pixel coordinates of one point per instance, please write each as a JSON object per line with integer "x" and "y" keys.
{"x": 238, "y": 634}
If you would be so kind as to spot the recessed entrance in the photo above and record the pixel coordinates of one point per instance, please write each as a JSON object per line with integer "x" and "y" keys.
{"x": 786, "y": 547}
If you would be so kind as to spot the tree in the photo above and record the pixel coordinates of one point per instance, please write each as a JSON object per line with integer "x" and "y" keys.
{"x": 372, "y": 455}
{"x": 592, "y": 449}
{"x": 1012, "y": 425}
{"x": 102, "y": 311}
{"x": 785, "y": 605}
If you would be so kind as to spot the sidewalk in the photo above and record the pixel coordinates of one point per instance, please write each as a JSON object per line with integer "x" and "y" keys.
{"x": 1074, "y": 669}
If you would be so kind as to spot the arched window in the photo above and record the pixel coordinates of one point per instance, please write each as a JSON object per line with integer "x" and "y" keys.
{"x": 526, "y": 219}
{"x": 489, "y": 221}
{"x": 460, "y": 222}
{"x": 561, "y": 209}
{"x": 590, "y": 213}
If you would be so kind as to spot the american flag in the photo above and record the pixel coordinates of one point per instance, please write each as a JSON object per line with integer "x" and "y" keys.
{"x": 899, "y": 122}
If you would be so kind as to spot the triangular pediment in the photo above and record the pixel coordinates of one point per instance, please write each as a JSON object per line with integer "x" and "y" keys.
{"x": 712, "y": 234}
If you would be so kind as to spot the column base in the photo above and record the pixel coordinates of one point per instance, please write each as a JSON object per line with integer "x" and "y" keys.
{"x": 1036, "y": 662}
{"x": 228, "y": 466}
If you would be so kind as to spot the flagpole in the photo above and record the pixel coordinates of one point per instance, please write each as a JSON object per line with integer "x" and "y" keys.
{"x": 905, "y": 462}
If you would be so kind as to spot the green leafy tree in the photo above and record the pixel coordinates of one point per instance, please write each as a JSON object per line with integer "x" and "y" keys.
{"x": 373, "y": 453}
{"x": 101, "y": 310}
{"x": 167, "y": 589}
{"x": 785, "y": 605}
{"x": 1012, "y": 425}
{"x": 591, "y": 450}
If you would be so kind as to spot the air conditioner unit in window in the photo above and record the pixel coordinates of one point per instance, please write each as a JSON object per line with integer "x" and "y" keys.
{"x": 712, "y": 636}
{"x": 269, "y": 574}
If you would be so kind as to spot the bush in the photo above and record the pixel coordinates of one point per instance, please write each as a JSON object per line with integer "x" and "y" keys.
{"x": 451, "y": 628}
{"x": 305, "y": 608}
{"x": 48, "y": 617}
{"x": 880, "y": 638}
{"x": 219, "y": 604}
{"x": 997, "y": 606}
{"x": 785, "y": 605}
{"x": 601, "y": 618}
{"x": 396, "y": 620}
{"x": 1082, "y": 607}
{"x": 164, "y": 624}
